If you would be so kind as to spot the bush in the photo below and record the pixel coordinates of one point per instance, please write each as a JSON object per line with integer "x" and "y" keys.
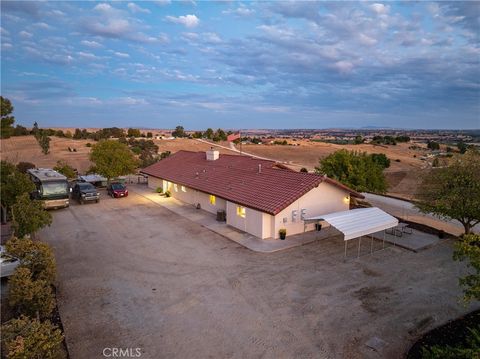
{"x": 26, "y": 338}
{"x": 36, "y": 256}
{"x": 303, "y": 169}
{"x": 65, "y": 169}
{"x": 381, "y": 159}
{"x": 24, "y": 166}
{"x": 30, "y": 297}
{"x": 159, "y": 190}
{"x": 167, "y": 194}
{"x": 469, "y": 350}
{"x": 88, "y": 144}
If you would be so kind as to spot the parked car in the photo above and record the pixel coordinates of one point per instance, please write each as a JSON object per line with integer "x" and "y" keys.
{"x": 85, "y": 192}
{"x": 8, "y": 264}
{"x": 117, "y": 190}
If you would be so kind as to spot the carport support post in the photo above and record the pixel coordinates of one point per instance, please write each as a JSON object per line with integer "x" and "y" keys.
{"x": 383, "y": 247}
{"x": 371, "y": 245}
{"x": 345, "y": 255}
{"x": 359, "y": 244}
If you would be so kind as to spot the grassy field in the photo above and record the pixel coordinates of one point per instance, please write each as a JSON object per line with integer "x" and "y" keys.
{"x": 402, "y": 176}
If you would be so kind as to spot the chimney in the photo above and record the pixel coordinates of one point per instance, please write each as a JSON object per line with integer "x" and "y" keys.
{"x": 212, "y": 154}
{"x": 259, "y": 168}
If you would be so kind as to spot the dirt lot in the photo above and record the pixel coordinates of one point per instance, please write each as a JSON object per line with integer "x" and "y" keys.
{"x": 132, "y": 274}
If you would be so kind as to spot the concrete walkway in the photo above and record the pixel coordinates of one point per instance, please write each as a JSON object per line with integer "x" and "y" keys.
{"x": 415, "y": 242}
{"x": 208, "y": 220}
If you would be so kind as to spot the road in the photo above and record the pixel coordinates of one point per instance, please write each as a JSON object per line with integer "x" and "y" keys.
{"x": 408, "y": 211}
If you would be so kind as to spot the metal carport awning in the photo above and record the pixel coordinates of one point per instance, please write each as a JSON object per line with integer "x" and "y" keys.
{"x": 358, "y": 222}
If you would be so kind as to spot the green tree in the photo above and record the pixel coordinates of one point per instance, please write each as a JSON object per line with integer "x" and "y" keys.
{"x": 358, "y": 140}
{"x": 381, "y": 159}
{"x": 13, "y": 185}
{"x": 29, "y": 216}
{"x": 44, "y": 142}
{"x": 462, "y": 147}
{"x": 149, "y": 135}
{"x": 197, "y": 134}
{"x": 35, "y": 129}
{"x": 354, "y": 169}
{"x": 113, "y": 159}
{"x": 24, "y": 338}
{"x": 453, "y": 191}
{"x": 37, "y": 256}
{"x": 134, "y": 132}
{"x": 7, "y": 120}
{"x": 209, "y": 133}
{"x": 33, "y": 298}
{"x": 20, "y": 131}
{"x": 179, "y": 132}
{"x": 65, "y": 169}
{"x": 468, "y": 247}
{"x": 432, "y": 145}
{"x": 221, "y": 135}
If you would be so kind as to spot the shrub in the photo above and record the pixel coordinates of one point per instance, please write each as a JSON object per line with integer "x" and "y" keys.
{"x": 381, "y": 159}
{"x": 167, "y": 194}
{"x": 282, "y": 231}
{"x": 29, "y": 338}
{"x": 159, "y": 190}
{"x": 65, "y": 169}
{"x": 303, "y": 169}
{"x": 88, "y": 144}
{"x": 33, "y": 298}
{"x": 36, "y": 256}
{"x": 24, "y": 166}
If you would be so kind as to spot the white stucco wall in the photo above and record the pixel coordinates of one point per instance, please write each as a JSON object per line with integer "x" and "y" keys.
{"x": 252, "y": 223}
{"x": 326, "y": 198}
{"x": 154, "y": 182}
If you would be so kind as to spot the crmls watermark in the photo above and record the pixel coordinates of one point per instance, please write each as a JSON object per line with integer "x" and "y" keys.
{"x": 122, "y": 352}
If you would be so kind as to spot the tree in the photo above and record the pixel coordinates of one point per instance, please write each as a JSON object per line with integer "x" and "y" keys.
{"x": 432, "y": 145}
{"x": 358, "y": 140}
{"x": 209, "y": 133}
{"x": 36, "y": 256}
{"x": 7, "y": 121}
{"x": 33, "y": 298}
{"x": 453, "y": 191}
{"x": 35, "y": 129}
{"x": 13, "y": 185}
{"x": 29, "y": 216}
{"x": 149, "y": 135}
{"x": 221, "y": 135}
{"x": 197, "y": 134}
{"x": 29, "y": 338}
{"x": 44, "y": 142}
{"x": 65, "y": 169}
{"x": 468, "y": 247}
{"x": 357, "y": 170}
{"x": 77, "y": 134}
{"x": 113, "y": 159}
{"x": 179, "y": 132}
{"x": 134, "y": 132}
{"x": 20, "y": 131}
{"x": 381, "y": 159}
{"x": 462, "y": 147}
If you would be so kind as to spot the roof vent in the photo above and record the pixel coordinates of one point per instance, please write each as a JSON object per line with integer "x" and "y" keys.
{"x": 212, "y": 154}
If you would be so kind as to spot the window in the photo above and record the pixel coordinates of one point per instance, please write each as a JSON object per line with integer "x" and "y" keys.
{"x": 175, "y": 187}
{"x": 212, "y": 200}
{"x": 184, "y": 189}
{"x": 241, "y": 211}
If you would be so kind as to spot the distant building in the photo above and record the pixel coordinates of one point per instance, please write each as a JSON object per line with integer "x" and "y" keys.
{"x": 258, "y": 196}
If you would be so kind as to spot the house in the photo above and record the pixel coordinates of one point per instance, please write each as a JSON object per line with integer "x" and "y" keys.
{"x": 258, "y": 196}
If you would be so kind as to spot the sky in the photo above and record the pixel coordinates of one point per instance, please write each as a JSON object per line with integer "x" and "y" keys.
{"x": 282, "y": 64}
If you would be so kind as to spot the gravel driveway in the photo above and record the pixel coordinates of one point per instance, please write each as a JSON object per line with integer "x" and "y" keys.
{"x": 131, "y": 274}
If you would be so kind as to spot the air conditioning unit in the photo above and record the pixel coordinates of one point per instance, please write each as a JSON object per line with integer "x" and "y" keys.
{"x": 303, "y": 214}
{"x": 294, "y": 215}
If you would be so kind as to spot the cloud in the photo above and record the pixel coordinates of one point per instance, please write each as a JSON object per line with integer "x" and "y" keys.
{"x": 380, "y": 9}
{"x": 42, "y": 25}
{"x": 87, "y": 55}
{"x": 92, "y": 44}
{"x": 121, "y": 54}
{"x": 137, "y": 9}
{"x": 242, "y": 10}
{"x": 185, "y": 20}
{"x": 4, "y": 32}
{"x": 25, "y": 34}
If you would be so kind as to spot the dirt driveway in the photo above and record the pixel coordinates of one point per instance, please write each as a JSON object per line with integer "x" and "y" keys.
{"x": 134, "y": 275}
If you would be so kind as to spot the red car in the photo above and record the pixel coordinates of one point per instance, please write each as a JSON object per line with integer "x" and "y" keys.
{"x": 117, "y": 190}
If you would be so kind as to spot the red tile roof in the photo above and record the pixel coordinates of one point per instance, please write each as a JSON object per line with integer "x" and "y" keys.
{"x": 237, "y": 179}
